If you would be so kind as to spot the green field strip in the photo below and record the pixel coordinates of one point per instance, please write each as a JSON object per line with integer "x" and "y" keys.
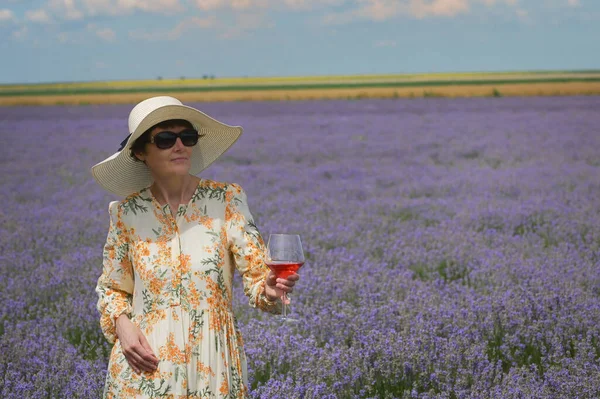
{"x": 287, "y": 87}
{"x": 298, "y": 80}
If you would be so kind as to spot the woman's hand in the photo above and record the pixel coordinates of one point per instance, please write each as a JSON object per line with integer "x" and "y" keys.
{"x": 275, "y": 287}
{"x": 135, "y": 347}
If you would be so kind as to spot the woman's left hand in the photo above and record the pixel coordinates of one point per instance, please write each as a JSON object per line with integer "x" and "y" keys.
{"x": 275, "y": 287}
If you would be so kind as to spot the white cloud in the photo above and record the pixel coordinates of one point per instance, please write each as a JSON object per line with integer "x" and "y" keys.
{"x": 159, "y": 6}
{"x": 39, "y": 16}
{"x": 6, "y": 15}
{"x": 378, "y": 10}
{"x": 382, "y": 10}
{"x": 189, "y": 24}
{"x": 311, "y": 4}
{"x": 241, "y": 24}
{"x": 66, "y": 9}
{"x": 494, "y": 2}
{"x": 243, "y": 16}
{"x": 173, "y": 34}
{"x": 78, "y": 9}
{"x": 244, "y": 23}
{"x": 438, "y": 8}
{"x": 123, "y": 7}
{"x": 207, "y": 5}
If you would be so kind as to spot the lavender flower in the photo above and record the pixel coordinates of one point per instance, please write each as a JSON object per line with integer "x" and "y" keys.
{"x": 452, "y": 248}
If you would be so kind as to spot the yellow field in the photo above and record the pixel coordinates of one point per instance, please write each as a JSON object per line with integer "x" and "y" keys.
{"x": 269, "y": 81}
{"x": 541, "y": 89}
{"x": 258, "y": 89}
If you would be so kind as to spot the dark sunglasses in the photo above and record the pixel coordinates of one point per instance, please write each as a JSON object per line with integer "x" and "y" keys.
{"x": 167, "y": 139}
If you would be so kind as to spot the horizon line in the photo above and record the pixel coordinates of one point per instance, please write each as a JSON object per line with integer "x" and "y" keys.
{"x": 319, "y": 76}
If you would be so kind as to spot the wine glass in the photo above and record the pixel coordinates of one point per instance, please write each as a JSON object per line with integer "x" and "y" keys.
{"x": 284, "y": 257}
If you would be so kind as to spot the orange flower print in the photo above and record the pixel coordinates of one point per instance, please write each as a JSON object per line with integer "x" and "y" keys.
{"x": 224, "y": 389}
{"x": 228, "y": 214}
{"x": 156, "y": 285}
{"x": 115, "y": 370}
{"x": 228, "y": 196}
{"x": 185, "y": 262}
{"x": 171, "y": 352}
{"x": 131, "y": 392}
{"x": 194, "y": 296}
{"x": 206, "y": 222}
{"x": 204, "y": 369}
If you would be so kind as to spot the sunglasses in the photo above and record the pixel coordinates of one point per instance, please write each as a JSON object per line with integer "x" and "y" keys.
{"x": 167, "y": 139}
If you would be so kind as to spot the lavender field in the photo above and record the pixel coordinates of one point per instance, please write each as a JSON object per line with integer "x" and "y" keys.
{"x": 453, "y": 246}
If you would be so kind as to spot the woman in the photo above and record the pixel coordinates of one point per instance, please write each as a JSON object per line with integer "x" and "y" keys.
{"x": 173, "y": 245}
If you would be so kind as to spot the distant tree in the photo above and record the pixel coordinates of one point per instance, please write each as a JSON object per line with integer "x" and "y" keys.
{"x": 204, "y": 77}
{"x": 159, "y": 78}
{"x": 182, "y": 78}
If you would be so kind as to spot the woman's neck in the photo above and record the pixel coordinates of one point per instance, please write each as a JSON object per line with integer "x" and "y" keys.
{"x": 174, "y": 190}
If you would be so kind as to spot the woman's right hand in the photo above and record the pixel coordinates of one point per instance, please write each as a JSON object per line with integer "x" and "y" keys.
{"x": 135, "y": 347}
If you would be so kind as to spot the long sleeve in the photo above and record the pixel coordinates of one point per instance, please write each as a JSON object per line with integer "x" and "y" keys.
{"x": 248, "y": 249}
{"x": 115, "y": 285}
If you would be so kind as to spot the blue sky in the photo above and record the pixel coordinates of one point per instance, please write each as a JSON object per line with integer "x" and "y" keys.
{"x": 88, "y": 40}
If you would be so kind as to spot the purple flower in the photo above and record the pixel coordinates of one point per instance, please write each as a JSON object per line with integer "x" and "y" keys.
{"x": 452, "y": 247}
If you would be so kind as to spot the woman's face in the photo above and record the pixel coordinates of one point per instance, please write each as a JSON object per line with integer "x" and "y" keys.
{"x": 174, "y": 161}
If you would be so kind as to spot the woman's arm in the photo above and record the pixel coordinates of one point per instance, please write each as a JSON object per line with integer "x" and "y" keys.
{"x": 115, "y": 285}
{"x": 248, "y": 249}
{"x": 114, "y": 289}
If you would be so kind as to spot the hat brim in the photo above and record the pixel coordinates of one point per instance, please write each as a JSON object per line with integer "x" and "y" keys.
{"x": 122, "y": 175}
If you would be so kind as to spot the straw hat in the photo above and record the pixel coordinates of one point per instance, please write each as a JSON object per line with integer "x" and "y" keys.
{"x": 123, "y": 175}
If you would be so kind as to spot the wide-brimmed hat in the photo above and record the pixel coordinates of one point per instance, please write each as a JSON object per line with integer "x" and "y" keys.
{"x": 123, "y": 175}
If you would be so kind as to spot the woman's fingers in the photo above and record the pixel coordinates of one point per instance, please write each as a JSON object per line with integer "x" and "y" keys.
{"x": 135, "y": 347}
{"x": 140, "y": 357}
{"x": 139, "y": 363}
{"x": 135, "y": 357}
{"x": 287, "y": 284}
{"x": 271, "y": 280}
{"x": 149, "y": 354}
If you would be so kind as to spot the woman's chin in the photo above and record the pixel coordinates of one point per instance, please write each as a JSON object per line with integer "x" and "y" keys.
{"x": 179, "y": 170}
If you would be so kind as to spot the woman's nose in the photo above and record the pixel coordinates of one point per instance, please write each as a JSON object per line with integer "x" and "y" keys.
{"x": 179, "y": 144}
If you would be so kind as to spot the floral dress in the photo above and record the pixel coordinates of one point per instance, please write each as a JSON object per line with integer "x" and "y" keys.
{"x": 172, "y": 275}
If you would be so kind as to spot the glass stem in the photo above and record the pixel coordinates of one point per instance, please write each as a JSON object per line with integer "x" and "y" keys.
{"x": 284, "y": 300}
